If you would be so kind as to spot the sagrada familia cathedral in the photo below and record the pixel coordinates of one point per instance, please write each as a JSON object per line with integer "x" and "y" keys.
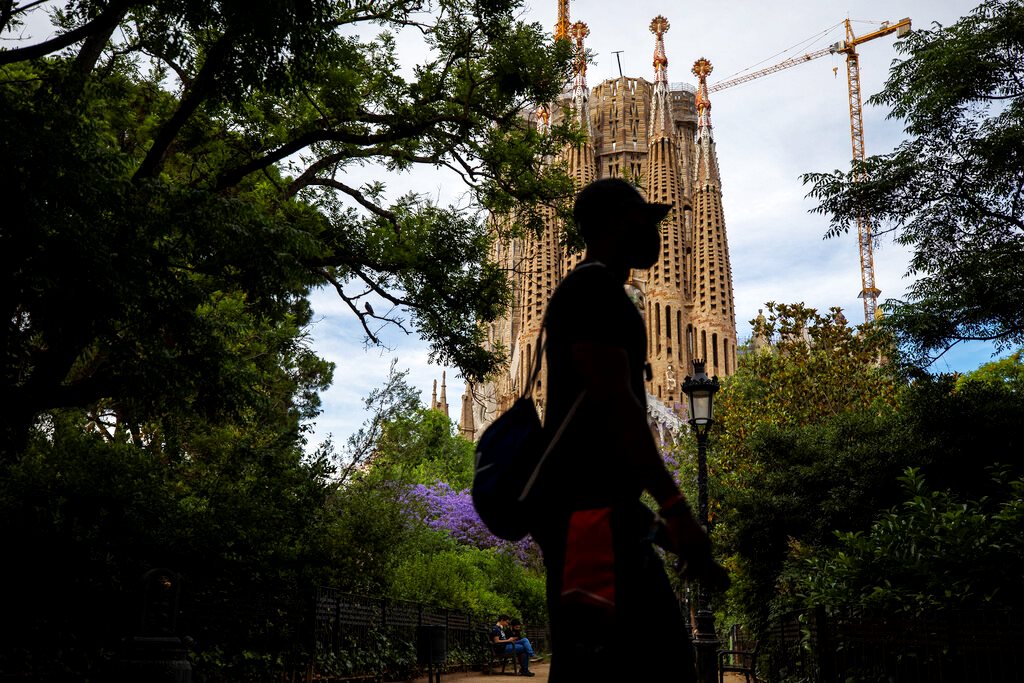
{"x": 657, "y": 134}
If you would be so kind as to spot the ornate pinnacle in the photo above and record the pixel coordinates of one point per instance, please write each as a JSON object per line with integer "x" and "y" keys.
{"x": 659, "y": 27}
{"x": 578, "y": 32}
{"x": 701, "y": 69}
{"x": 544, "y": 117}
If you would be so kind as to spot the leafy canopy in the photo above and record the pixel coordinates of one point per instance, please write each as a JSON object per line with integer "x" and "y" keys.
{"x": 163, "y": 157}
{"x": 796, "y": 446}
{"x": 812, "y": 434}
{"x": 952, "y": 191}
{"x": 935, "y": 552}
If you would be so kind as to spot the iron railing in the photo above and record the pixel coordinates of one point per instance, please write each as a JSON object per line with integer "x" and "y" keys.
{"x": 962, "y": 646}
{"x": 356, "y": 635}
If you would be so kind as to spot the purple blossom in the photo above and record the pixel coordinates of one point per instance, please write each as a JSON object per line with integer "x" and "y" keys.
{"x": 446, "y": 509}
{"x": 670, "y": 459}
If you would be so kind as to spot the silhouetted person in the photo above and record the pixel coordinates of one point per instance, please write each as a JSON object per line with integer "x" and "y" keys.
{"x": 613, "y": 613}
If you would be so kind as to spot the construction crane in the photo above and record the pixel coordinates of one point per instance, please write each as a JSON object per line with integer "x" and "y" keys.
{"x": 865, "y": 233}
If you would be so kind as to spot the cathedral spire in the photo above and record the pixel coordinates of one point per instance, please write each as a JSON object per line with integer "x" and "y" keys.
{"x": 579, "y": 157}
{"x": 714, "y": 315}
{"x": 580, "y": 91}
{"x": 466, "y": 423}
{"x": 665, "y": 289}
{"x": 702, "y": 69}
{"x": 706, "y": 169}
{"x": 442, "y": 403}
{"x": 661, "y": 112}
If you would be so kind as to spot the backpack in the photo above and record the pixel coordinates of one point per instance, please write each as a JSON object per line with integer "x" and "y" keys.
{"x": 509, "y": 458}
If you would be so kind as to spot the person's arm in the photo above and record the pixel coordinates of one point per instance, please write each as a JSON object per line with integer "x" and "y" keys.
{"x": 496, "y": 637}
{"x": 604, "y": 370}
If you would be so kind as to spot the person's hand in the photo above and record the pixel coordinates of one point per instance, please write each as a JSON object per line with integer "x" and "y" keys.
{"x": 711, "y": 575}
{"x": 691, "y": 544}
{"x": 684, "y": 536}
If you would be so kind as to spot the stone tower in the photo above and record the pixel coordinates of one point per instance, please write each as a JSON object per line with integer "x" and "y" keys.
{"x": 666, "y": 282}
{"x": 440, "y": 404}
{"x": 714, "y": 317}
{"x": 656, "y": 134}
{"x": 580, "y": 160}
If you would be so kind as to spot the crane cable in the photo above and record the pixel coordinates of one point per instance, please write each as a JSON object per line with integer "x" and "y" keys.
{"x": 816, "y": 37}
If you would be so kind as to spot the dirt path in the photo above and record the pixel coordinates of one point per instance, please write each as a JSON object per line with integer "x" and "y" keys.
{"x": 541, "y": 669}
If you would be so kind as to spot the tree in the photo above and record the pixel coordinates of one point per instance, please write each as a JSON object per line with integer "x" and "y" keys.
{"x": 799, "y": 444}
{"x": 409, "y": 517}
{"x": 178, "y": 177}
{"x": 162, "y": 155}
{"x": 933, "y": 553}
{"x": 812, "y": 434}
{"x": 952, "y": 191}
{"x": 809, "y": 366}
{"x": 1006, "y": 373}
{"x": 244, "y": 519}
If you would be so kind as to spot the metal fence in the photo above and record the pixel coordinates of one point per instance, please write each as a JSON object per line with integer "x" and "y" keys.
{"x": 331, "y": 635}
{"x": 356, "y": 636}
{"x": 961, "y": 646}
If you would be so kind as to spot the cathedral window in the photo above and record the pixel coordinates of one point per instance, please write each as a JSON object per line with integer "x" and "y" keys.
{"x": 657, "y": 326}
{"x": 528, "y": 363}
{"x": 650, "y": 337}
{"x": 679, "y": 332}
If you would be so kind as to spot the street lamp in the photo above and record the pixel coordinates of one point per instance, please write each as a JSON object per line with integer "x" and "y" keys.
{"x": 700, "y": 394}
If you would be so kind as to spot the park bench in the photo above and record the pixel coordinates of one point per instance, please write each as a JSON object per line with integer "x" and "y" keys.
{"x": 741, "y": 660}
{"x": 498, "y": 654}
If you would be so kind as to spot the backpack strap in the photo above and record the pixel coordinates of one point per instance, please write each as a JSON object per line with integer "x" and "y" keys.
{"x": 550, "y": 447}
{"x": 538, "y": 358}
{"x": 542, "y": 340}
{"x": 533, "y": 380}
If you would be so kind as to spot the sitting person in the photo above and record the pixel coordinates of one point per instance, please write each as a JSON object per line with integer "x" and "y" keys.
{"x": 516, "y": 628}
{"x": 501, "y": 635}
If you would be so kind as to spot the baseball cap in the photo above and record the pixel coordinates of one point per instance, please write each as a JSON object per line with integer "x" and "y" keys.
{"x": 609, "y": 197}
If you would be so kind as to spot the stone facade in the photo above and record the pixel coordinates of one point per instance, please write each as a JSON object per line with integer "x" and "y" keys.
{"x": 659, "y": 136}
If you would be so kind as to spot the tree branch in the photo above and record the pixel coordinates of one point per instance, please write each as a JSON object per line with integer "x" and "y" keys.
{"x": 93, "y": 46}
{"x": 403, "y": 132}
{"x": 64, "y": 40}
{"x": 178, "y": 69}
{"x": 351, "y": 304}
{"x": 194, "y": 95}
{"x": 358, "y": 196}
{"x": 983, "y": 209}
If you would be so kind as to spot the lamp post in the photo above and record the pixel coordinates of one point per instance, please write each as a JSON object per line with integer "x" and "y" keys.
{"x": 700, "y": 394}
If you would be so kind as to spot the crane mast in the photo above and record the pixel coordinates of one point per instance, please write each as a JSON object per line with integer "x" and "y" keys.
{"x": 562, "y": 26}
{"x": 865, "y": 232}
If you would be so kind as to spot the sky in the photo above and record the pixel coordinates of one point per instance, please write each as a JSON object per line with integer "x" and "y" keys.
{"x": 768, "y": 132}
